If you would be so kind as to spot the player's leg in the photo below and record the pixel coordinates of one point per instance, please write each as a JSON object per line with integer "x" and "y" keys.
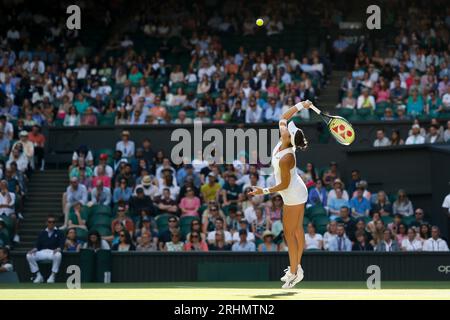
{"x": 290, "y": 226}
{"x": 299, "y": 232}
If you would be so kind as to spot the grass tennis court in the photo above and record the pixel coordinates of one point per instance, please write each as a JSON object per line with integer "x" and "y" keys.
{"x": 228, "y": 291}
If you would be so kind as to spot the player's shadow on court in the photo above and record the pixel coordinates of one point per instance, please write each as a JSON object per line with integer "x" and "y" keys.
{"x": 274, "y": 295}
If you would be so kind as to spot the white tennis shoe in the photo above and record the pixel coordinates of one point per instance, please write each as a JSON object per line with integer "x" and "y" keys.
{"x": 293, "y": 279}
{"x": 288, "y": 269}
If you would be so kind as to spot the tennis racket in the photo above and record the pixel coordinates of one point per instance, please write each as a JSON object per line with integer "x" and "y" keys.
{"x": 340, "y": 128}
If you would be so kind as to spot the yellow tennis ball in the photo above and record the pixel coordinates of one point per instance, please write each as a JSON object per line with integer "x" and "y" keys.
{"x": 259, "y": 22}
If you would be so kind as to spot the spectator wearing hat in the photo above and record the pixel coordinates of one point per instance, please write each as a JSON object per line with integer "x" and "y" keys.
{"x": 337, "y": 184}
{"x": 123, "y": 220}
{"x": 100, "y": 194}
{"x": 49, "y": 245}
{"x": 341, "y": 242}
{"x": 125, "y": 145}
{"x": 387, "y": 244}
{"x": 243, "y": 245}
{"x": 268, "y": 245}
{"x": 5, "y": 262}
{"x": 336, "y": 203}
{"x": 85, "y": 153}
{"x": 103, "y": 162}
{"x": 202, "y": 116}
{"x": 38, "y": 141}
{"x": 149, "y": 187}
{"x": 359, "y": 205}
{"x": 415, "y": 137}
{"x": 435, "y": 243}
{"x": 210, "y": 189}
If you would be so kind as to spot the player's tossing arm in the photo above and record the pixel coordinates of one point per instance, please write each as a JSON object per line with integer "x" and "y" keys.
{"x": 292, "y": 111}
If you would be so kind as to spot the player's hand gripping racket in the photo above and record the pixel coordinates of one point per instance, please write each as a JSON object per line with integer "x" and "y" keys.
{"x": 340, "y": 128}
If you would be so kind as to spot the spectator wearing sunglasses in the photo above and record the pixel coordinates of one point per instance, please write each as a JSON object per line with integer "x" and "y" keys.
{"x": 195, "y": 243}
{"x": 125, "y": 244}
{"x": 166, "y": 235}
{"x": 175, "y": 244}
{"x": 196, "y": 227}
{"x": 49, "y": 245}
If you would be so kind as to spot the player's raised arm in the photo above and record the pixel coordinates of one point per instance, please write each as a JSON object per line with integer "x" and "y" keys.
{"x": 292, "y": 111}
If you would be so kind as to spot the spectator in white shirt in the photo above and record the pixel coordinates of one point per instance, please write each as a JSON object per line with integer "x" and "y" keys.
{"x": 219, "y": 226}
{"x": 365, "y": 100}
{"x": 126, "y": 146}
{"x": 415, "y": 137}
{"x": 447, "y": 133}
{"x": 381, "y": 140}
{"x": 253, "y": 113}
{"x": 244, "y": 225}
{"x": 330, "y": 234}
{"x": 435, "y": 243}
{"x": 313, "y": 240}
{"x": 411, "y": 243}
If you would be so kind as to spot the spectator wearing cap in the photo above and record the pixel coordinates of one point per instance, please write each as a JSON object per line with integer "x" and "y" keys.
{"x": 140, "y": 202}
{"x": 243, "y": 245}
{"x": 435, "y": 243}
{"x": 415, "y": 137}
{"x": 85, "y": 153}
{"x": 38, "y": 141}
{"x": 341, "y": 242}
{"x": 387, "y": 244}
{"x": 125, "y": 145}
{"x": 210, "y": 190}
{"x": 268, "y": 245}
{"x": 202, "y": 116}
{"x": 359, "y": 205}
{"x": 75, "y": 192}
{"x": 189, "y": 204}
{"x": 244, "y": 225}
{"x": 123, "y": 219}
{"x": 5, "y": 262}
{"x": 49, "y": 245}
{"x": 100, "y": 194}
{"x": 103, "y": 162}
{"x": 366, "y": 193}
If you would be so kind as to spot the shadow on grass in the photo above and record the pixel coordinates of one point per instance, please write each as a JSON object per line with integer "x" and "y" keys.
{"x": 274, "y": 295}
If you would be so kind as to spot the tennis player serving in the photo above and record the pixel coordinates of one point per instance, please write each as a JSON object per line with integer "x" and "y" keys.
{"x": 292, "y": 189}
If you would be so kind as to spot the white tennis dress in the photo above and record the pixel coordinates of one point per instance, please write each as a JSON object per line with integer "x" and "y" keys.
{"x": 296, "y": 193}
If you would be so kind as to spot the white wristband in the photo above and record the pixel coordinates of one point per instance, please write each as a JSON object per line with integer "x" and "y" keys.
{"x": 299, "y": 106}
{"x": 266, "y": 190}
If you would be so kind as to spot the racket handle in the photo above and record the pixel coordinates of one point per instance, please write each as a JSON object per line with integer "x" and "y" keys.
{"x": 315, "y": 109}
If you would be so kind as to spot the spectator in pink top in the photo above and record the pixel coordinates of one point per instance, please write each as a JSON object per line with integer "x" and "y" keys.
{"x": 189, "y": 204}
{"x": 101, "y": 176}
{"x": 383, "y": 94}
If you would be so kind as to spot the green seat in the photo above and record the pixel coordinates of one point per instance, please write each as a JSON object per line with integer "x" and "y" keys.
{"x": 82, "y": 234}
{"x": 101, "y": 220}
{"x": 101, "y": 210}
{"x": 162, "y": 221}
{"x": 366, "y": 219}
{"x": 103, "y": 230}
{"x": 345, "y": 112}
{"x": 316, "y": 210}
{"x": 408, "y": 220}
{"x": 306, "y": 220}
{"x": 364, "y": 112}
{"x": 8, "y": 224}
{"x": 107, "y": 120}
{"x": 321, "y": 220}
{"x": 387, "y": 219}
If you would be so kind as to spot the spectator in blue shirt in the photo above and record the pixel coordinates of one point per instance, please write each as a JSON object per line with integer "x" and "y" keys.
{"x": 341, "y": 242}
{"x": 4, "y": 145}
{"x": 335, "y": 204}
{"x": 122, "y": 192}
{"x": 360, "y": 205}
{"x": 318, "y": 195}
{"x": 243, "y": 244}
{"x": 272, "y": 112}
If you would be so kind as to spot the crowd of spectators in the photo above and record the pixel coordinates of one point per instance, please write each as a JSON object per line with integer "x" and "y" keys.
{"x": 153, "y": 205}
{"x": 409, "y": 77}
